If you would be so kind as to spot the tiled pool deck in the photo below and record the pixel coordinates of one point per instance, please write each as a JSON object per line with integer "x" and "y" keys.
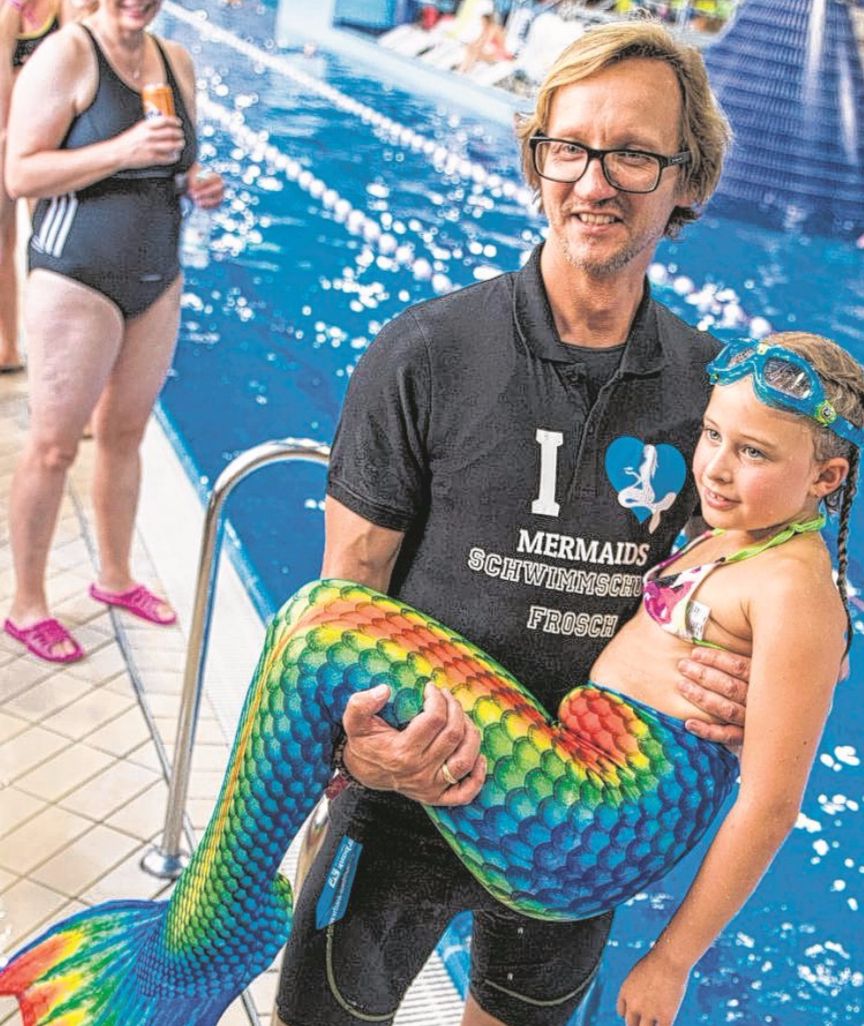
{"x": 82, "y": 787}
{"x": 83, "y": 790}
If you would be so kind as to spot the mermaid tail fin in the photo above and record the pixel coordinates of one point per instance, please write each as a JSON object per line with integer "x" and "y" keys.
{"x": 75, "y": 972}
{"x": 84, "y": 970}
{"x": 108, "y": 966}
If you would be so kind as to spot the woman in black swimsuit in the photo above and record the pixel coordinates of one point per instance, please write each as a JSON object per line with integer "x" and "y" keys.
{"x": 103, "y": 296}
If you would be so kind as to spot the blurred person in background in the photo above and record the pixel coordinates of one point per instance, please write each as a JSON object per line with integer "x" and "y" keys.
{"x": 489, "y": 47}
{"x": 102, "y": 300}
{"x": 23, "y": 26}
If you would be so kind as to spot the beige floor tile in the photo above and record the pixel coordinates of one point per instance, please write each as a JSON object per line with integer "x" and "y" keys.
{"x": 68, "y": 528}
{"x": 27, "y": 904}
{"x": 161, "y": 684}
{"x": 24, "y": 671}
{"x": 145, "y": 755}
{"x": 102, "y": 665}
{"x": 10, "y": 725}
{"x": 167, "y": 728}
{"x": 16, "y": 807}
{"x": 163, "y": 706}
{"x": 26, "y": 750}
{"x": 8, "y": 646}
{"x": 144, "y": 636}
{"x": 41, "y": 700}
{"x": 79, "y": 609}
{"x": 153, "y": 659}
{"x": 264, "y": 990}
{"x": 9, "y": 1014}
{"x": 208, "y": 731}
{"x": 235, "y": 1015}
{"x": 128, "y": 880}
{"x": 123, "y": 734}
{"x": 93, "y": 710}
{"x": 143, "y": 816}
{"x": 200, "y": 810}
{"x": 62, "y": 773}
{"x": 205, "y": 783}
{"x": 94, "y": 854}
{"x": 121, "y": 684}
{"x": 110, "y": 790}
{"x": 40, "y": 838}
{"x": 70, "y": 554}
{"x": 65, "y": 584}
{"x": 92, "y": 637}
{"x": 211, "y": 757}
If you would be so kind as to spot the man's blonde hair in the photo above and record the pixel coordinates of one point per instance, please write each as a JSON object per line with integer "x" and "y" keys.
{"x": 704, "y": 130}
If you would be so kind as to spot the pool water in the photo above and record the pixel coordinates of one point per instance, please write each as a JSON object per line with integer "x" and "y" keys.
{"x": 299, "y": 284}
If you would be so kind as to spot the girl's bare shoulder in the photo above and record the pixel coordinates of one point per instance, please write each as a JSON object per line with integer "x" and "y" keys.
{"x": 796, "y": 576}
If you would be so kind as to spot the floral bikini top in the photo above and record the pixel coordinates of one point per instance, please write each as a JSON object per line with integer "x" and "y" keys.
{"x": 669, "y": 600}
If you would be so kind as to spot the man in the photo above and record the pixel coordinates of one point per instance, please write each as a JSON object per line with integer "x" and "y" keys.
{"x": 510, "y": 459}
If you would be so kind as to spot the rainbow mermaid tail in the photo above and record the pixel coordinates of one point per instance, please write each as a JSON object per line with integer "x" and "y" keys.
{"x": 574, "y": 817}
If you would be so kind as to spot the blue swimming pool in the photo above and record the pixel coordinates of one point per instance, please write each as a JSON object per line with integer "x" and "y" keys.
{"x": 299, "y": 284}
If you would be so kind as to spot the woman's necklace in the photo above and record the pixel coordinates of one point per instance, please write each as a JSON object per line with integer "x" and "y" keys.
{"x": 132, "y": 72}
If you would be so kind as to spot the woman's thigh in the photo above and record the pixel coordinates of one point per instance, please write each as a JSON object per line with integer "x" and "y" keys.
{"x": 141, "y": 365}
{"x": 74, "y": 335}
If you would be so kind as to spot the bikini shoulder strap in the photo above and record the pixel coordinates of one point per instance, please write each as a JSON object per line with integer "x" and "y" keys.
{"x": 804, "y": 527}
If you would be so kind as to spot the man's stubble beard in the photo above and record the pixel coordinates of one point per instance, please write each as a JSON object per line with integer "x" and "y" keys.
{"x": 613, "y": 264}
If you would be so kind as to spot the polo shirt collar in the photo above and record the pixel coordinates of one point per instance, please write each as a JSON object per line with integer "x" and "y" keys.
{"x": 535, "y": 325}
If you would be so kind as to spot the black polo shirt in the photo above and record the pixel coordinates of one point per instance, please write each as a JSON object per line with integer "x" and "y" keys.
{"x": 530, "y": 514}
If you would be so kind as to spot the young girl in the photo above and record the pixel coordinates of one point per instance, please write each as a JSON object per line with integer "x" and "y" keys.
{"x": 575, "y": 815}
{"x": 781, "y": 438}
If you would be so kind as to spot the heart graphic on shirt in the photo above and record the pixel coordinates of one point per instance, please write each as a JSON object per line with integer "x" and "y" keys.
{"x": 646, "y": 477}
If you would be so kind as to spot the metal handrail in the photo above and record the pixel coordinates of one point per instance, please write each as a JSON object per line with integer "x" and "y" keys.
{"x": 168, "y": 860}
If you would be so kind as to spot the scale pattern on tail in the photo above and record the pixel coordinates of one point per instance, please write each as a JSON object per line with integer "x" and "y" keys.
{"x": 575, "y": 815}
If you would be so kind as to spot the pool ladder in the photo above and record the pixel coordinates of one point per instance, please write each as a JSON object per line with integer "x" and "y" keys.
{"x": 168, "y": 859}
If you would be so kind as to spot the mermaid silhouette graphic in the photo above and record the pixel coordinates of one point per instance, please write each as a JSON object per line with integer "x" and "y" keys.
{"x": 639, "y": 471}
{"x": 576, "y": 814}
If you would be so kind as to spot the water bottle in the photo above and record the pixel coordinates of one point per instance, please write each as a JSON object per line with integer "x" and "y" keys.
{"x": 195, "y": 243}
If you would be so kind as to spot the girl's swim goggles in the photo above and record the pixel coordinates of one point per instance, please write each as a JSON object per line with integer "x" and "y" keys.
{"x": 782, "y": 378}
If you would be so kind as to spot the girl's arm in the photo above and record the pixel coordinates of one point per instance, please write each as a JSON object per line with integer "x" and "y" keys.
{"x": 798, "y": 645}
{"x": 55, "y": 85}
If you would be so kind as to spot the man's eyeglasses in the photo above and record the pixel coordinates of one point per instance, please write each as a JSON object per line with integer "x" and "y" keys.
{"x": 562, "y": 160}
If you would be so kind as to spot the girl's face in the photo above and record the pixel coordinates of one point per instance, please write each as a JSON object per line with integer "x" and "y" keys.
{"x": 754, "y": 464}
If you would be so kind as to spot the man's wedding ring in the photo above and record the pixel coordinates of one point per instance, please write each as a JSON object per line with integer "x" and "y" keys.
{"x": 447, "y": 775}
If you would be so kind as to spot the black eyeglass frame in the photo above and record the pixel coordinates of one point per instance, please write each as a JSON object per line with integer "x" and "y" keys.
{"x": 676, "y": 160}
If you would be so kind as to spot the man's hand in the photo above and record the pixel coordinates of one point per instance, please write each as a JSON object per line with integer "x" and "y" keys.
{"x": 716, "y": 681}
{"x": 412, "y": 761}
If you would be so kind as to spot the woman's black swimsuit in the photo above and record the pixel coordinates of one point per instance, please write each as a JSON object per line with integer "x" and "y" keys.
{"x": 119, "y": 236}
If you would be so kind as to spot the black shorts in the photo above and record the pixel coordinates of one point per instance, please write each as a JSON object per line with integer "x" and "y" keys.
{"x": 374, "y": 905}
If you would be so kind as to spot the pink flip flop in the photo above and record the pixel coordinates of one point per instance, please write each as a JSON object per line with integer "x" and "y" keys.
{"x": 42, "y": 638}
{"x": 138, "y": 600}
